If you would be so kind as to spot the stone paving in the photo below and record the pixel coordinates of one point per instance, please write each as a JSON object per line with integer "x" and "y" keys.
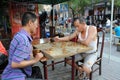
{"x": 110, "y": 66}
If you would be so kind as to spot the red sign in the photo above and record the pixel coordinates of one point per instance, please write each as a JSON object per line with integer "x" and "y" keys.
{"x": 16, "y": 12}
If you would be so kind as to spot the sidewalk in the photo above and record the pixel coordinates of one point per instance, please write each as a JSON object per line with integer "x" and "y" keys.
{"x": 110, "y": 66}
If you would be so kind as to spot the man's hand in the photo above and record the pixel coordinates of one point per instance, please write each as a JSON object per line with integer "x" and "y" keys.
{"x": 56, "y": 39}
{"x": 38, "y": 56}
{"x": 44, "y": 59}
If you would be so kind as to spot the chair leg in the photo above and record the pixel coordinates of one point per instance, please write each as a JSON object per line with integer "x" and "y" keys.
{"x": 114, "y": 41}
{"x": 76, "y": 72}
{"x": 91, "y": 76}
{"x": 53, "y": 67}
{"x": 65, "y": 62}
{"x": 100, "y": 68}
{"x": 91, "y": 73}
{"x": 45, "y": 70}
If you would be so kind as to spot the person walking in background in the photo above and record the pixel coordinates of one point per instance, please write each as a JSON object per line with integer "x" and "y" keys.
{"x": 87, "y": 35}
{"x": 107, "y": 25}
{"x": 42, "y": 20}
{"x": 20, "y": 62}
{"x": 53, "y": 17}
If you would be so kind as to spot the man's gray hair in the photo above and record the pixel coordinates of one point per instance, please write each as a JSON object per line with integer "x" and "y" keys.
{"x": 81, "y": 19}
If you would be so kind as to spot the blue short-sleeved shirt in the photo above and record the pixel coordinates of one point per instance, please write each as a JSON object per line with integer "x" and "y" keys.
{"x": 117, "y": 31}
{"x": 20, "y": 49}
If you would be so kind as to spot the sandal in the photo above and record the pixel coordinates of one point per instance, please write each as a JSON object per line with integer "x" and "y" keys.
{"x": 81, "y": 76}
{"x": 86, "y": 78}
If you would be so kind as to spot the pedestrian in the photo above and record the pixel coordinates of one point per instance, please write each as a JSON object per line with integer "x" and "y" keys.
{"x": 107, "y": 25}
{"x": 87, "y": 35}
{"x": 53, "y": 17}
{"x": 42, "y": 20}
{"x": 116, "y": 32}
{"x": 117, "y": 29}
{"x": 20, "y": 51}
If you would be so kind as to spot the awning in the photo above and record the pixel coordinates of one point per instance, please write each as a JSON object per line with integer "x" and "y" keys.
{"x": 49, "y": 2}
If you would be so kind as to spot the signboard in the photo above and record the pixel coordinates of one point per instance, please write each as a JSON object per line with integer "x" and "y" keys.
{"x": 63, "y": 7}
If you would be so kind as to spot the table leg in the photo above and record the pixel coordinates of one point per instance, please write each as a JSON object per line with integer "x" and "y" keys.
{"x": 45, "y": 70}
{"x": 73, "y": 66}
{"x": 53, "y": 65}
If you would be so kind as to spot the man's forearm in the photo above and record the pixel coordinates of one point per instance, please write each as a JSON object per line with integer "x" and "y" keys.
{"x": 64, "y": 38}
{"x": 23, "y": 63}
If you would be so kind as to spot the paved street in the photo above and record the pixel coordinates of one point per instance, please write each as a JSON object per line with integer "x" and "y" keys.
{"x": 110, "y": 66}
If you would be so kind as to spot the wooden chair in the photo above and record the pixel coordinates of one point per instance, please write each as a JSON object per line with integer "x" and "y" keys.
{"x": 100, "y": 46}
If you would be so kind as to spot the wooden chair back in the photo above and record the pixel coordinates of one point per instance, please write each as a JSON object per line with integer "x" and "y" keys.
{"x": 100, "y": 47}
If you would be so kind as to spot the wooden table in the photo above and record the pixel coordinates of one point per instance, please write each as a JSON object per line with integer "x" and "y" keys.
{"x": 57, "y": 50}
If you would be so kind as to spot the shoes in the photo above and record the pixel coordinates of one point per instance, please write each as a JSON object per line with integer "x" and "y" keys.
{"x": 82, "y": 76}
{"x": 86, "y": 78}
